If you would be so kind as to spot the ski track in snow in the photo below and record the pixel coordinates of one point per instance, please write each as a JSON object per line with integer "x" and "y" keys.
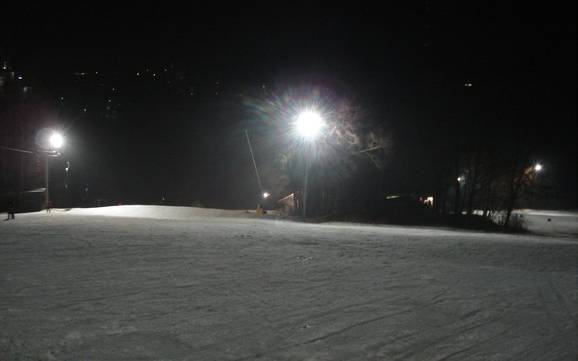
{"x": 226, "y": 286}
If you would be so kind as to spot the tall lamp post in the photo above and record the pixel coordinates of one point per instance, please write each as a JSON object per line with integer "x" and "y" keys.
{"x": 538, "y": 168}
{"x": 309, "y": 124}
{"x": 55, "y": 142}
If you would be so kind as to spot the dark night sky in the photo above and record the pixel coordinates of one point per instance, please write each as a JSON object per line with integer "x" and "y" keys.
{"x": 404, "y": 64}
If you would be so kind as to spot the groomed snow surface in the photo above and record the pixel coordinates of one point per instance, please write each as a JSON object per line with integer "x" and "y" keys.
{"x": 166, "y": 283}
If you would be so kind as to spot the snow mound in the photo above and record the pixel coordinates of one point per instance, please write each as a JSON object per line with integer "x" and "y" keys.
{"x": 160, "y": 212}
{"x": 549, "y": 213}
{"x": 549, "y": 221}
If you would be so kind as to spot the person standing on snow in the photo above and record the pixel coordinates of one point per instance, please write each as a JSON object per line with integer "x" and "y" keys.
{"x": 11, "y": 210}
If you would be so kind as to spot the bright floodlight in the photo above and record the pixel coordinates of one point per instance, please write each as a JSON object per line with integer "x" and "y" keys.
{"x": 538, "y": 167}
{"x": 266, "y": 195}
{"x": 309, "y": 124}
{"x": 56, "y": 140}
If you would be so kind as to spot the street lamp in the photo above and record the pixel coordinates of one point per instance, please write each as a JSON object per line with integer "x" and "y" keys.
{"x": 538, "y": 167}
{"x": 55, "y": 142}
{"x": 309, "y": 124}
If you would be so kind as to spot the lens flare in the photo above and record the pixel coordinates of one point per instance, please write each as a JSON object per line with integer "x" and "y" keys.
{"x": 309, "y": 124}
{"x": 56, "y": 140}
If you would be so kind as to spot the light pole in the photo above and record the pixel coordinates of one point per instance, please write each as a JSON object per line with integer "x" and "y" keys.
{"x": 538, "y": 168}
{"x": 309, "y": 124}
{"x": 263, "y": 193}
{"x": 55, "y": 141}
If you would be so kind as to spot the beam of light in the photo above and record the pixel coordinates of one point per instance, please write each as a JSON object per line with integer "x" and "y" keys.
{"x": 309, "y": 124}
{"x": 538, "y": 167}
{"x": 56, "y": 140}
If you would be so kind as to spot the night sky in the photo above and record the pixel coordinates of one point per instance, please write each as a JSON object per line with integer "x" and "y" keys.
{"x": 166, "y": 90}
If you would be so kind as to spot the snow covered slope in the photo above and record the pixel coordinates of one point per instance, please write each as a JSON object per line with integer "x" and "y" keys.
{"x": 75, "y": 286}
{"x": 160, "y": 212}
{"x": 550, "y": 222}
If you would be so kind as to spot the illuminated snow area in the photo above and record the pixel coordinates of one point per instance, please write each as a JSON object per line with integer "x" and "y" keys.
{"x": 178, "y": 283}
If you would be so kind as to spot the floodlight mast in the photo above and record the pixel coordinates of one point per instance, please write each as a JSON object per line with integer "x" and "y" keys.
{"x": 55, "y": 142}
{"x": 309, "y": 125}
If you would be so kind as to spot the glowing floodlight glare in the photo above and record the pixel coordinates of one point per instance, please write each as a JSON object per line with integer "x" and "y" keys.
{"x": 266, "y": 195}
{"x": 56, "y": 140}
{"x": 538, "y": 167}
{"x": 309, "y": 124}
